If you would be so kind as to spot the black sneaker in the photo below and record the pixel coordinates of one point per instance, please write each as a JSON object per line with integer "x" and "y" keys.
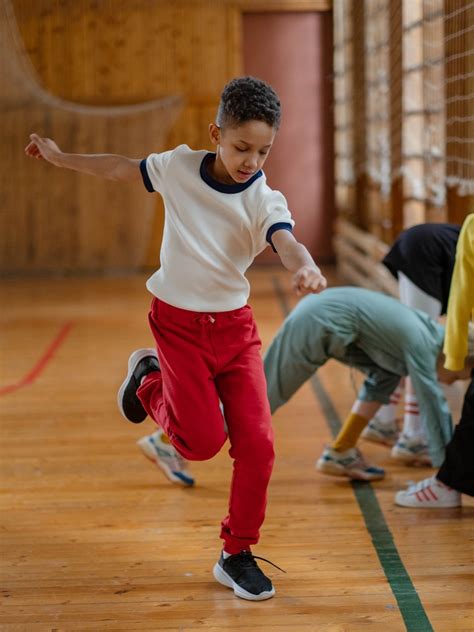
{"x": 140, "y": 363}
{"x": 241, "y": 573}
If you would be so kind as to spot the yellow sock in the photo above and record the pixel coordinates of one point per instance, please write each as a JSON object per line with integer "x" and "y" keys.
{"x": 349, "y": 433}
{"x": 165, "y": 438}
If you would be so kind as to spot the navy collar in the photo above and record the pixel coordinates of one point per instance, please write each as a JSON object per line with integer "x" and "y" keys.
{"x": 220, "y": 186}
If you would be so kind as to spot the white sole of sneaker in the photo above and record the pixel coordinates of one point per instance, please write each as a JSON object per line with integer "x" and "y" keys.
{"x": 374, "y": 438}
{"x": 327, "y": 467}
{"x": 221, "y": 576}
{"x": 149, "y": 452}
{"x": 411, "y": 459}
{"x": 333, "y": 469}
{"x": 133, "y": 360}
{"x": 415, "y": 504}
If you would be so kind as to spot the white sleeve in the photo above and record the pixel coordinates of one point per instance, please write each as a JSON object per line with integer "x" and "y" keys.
{"x": 274, "y": 213}
{"x": 274, "y": 210}
{"x": 153, "y": 170}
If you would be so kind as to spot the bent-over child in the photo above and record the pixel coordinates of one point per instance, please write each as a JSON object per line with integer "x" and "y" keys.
{"x": 377, "y": 335}
{"x": 422, "y": 259}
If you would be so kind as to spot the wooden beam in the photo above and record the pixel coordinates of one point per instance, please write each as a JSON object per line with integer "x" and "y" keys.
{"x": 257, "y": 6}
{"x": 359, "y": 255}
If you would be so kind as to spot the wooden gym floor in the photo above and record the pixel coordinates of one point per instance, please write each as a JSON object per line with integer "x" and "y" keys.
{"x": 93, "y": 537}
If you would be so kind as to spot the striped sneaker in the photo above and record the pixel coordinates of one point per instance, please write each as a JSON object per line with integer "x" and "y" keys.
{"x": 156, "y": 448}
{"x": 379, "y": 432}
{"x": 411, "y": 451}
{"x": 349, "y": 463}
{"x": 429, "y": 493}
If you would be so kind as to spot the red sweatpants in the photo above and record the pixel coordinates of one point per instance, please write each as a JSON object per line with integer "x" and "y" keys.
{"x": 205, "y": 358}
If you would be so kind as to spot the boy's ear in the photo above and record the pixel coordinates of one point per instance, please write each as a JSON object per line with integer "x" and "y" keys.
{"x": 214, "y": 133}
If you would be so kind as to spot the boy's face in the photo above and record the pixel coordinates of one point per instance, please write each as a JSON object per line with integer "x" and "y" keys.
{"x": 241, "y": 151}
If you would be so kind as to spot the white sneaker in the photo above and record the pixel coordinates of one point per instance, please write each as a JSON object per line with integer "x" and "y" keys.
{"x": 411, "y": 451}
{"x": 349, "y": 463}
{"x": 164, "y": 455}
{"x": 428, "y": 493}
{"x": 380, "y": 432}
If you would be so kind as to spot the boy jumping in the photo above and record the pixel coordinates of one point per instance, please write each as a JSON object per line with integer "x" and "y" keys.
{"x": 219, "y": 214}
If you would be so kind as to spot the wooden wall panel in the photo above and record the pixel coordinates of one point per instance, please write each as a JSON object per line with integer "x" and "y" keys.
{"x": 124, "y": 51}
{"x": 55, "y": 220}
{"x": 86, "y": 58}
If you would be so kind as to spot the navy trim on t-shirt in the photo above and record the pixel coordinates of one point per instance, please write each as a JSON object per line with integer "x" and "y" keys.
{"x": 273, "y": 229}
{"x": 146, "y": 177}
{"x": 220, "y": 186}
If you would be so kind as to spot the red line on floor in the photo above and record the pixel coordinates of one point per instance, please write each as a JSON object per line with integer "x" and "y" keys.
{"x": 42, "y": 362}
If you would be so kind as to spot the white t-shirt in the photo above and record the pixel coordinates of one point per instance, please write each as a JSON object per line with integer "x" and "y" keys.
{"x": 212, "y": 232}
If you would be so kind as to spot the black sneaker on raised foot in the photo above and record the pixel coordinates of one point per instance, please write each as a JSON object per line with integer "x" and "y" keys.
{"x": 140, "y": 363}
{"x": 241, "y": 573}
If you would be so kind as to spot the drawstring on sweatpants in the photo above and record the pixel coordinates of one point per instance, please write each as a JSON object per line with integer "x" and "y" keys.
{"x": 205, "y": 319}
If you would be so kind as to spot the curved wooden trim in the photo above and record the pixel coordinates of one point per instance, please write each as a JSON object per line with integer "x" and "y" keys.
{"x": 32, "y": 86}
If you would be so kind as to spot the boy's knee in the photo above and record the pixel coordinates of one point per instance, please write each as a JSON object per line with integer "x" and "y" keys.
{"x": 258, "y": 450}
{"x": 199, "y": 450}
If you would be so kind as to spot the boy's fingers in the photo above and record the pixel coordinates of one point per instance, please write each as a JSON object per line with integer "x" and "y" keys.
{"x": 312, "y": 284}
{"x": 32, "y": 150}
{"x": 37, "y": 140}
{"x": 308, "y": 281}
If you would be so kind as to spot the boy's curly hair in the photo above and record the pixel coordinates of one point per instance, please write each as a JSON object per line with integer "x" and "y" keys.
{"x": 248, "y": 99}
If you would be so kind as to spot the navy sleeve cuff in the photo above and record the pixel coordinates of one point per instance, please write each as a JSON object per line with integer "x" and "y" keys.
{"x": 145, "y": 176}
{"x": 273, "y": 229}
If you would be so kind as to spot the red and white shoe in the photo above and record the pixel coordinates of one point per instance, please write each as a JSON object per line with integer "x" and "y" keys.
{"x": 430, "y": 493}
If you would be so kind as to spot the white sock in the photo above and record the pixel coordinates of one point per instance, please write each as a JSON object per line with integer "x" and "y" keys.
{"x": 225, "y": 555}
{"x": 412, "y": 426}
{"x": 387, "y": 414}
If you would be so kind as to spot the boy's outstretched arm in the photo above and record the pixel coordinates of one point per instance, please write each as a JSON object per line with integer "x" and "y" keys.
{"x": 307, "y": 277}
{"x": 110, "y": 166}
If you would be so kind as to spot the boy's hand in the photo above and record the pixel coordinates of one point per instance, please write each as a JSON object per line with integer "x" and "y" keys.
{"x": 308, "y": 280}
{"x": 43, "y": 148}
{"x": 446, "y": 376}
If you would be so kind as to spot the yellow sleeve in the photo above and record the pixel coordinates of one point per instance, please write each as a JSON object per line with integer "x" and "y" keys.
{"x": 461, "y": 299}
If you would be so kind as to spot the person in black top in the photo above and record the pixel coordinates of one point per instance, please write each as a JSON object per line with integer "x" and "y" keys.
{"x": 425, "y": 254}
{"x": 422, "y": 259}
